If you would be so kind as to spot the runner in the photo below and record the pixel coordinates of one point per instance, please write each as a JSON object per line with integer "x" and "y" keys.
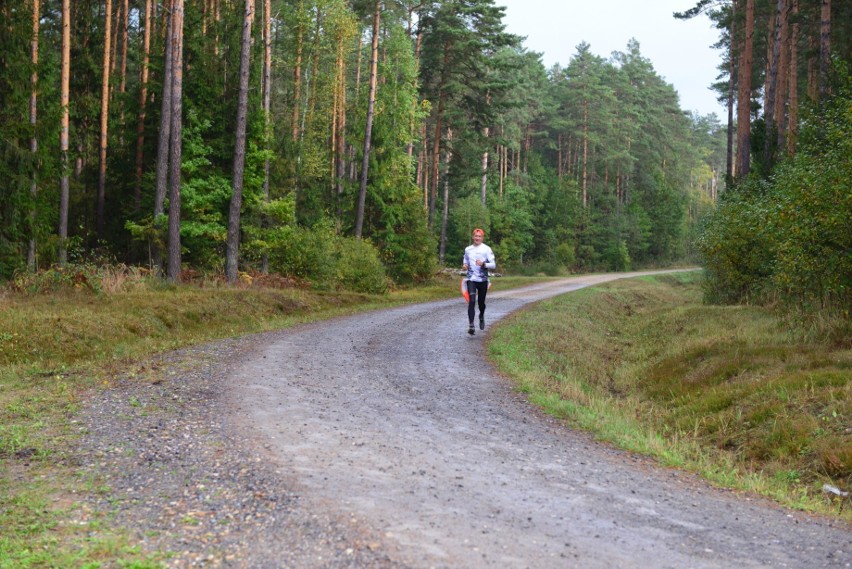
{"x": 478, "y": 258}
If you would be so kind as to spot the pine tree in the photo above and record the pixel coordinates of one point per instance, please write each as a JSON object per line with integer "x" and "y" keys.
{"x": 233, "y": 243}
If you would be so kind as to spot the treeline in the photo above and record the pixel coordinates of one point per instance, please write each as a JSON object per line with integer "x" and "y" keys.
{"x": 783, "y": 230}
{"x": 334, "y": 140}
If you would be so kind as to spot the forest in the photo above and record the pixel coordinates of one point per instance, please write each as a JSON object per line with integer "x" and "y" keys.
{"x": 356, "y": 144}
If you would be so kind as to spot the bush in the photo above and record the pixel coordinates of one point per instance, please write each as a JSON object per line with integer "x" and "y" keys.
{"x": 326, "y": 259}
{"x": 359, "y": 268}
{"x": 736, "y": 249}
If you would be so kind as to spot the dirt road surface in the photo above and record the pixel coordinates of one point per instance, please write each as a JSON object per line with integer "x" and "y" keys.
{"x": 395, "y": 420}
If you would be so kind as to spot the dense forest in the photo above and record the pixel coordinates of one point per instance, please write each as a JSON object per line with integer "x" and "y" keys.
{"x": 357, "y": 143}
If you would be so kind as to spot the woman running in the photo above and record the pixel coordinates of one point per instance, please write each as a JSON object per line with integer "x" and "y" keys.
{"x": 478, "y": 258}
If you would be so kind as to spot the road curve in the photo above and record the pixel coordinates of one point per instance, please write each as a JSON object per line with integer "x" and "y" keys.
{"x": 394, "y": 418}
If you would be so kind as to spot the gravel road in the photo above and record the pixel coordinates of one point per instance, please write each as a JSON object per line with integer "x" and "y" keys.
{"x": 386, "y": 440}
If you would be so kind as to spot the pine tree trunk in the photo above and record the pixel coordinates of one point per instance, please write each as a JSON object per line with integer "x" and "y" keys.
{"x": 824, "y": 46}
{"x": 31, "y": 249}
{"x": 445, "y": 208}
{"x": 426, "y": 173}
{"x": 732, "y": 67}
{"x": 233, "y": 243}
{"x": 793, "y": 78}
{"x": 353, "y": 173}
{"x": 165, "y": 137}
{"x": 333, "y": 146}
{"x": 744, "y": 94}
{"x": 585, "y": 148}
{"x": 297, "y": 80}
{"x": 143, "y": 101}
{"x": 313, "y": 79}
{"x": 175, "y": 143}
{"x": 99, "y": 220}
{"x": 371, "y": 102}
{"x": 216, "y": 19}
{"x": 435, "y": 163}
{"x": 813, "y": 68}
{"x": 122, "y": 85}
{"x": 781, "y": 91}
{"x": 772, "y": 84}
{"x": 65, "y": 74}
{"x": 419, "y": 177}
{"x": 483, "y": 185}
{"x": 504, "y": 165}
{"x": 340, "y": 123}
{"x": 267, "y": 109}
{"x": 113, "y": 58}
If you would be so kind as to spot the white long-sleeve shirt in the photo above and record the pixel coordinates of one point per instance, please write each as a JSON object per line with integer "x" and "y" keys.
{"x": 481, "y": 252}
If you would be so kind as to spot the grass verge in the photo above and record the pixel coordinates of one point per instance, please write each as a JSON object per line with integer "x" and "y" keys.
{"x": 731, "y": 392}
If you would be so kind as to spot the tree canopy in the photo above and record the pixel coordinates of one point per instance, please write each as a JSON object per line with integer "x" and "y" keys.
{"x": 588, "y": 166}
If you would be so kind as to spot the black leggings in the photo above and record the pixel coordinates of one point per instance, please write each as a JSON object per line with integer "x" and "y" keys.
{"x": 476, "y": 289}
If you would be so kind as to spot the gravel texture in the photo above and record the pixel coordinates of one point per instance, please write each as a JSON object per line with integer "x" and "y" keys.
{"x": 386, "y": 440}
{"x": 174, "y": 471}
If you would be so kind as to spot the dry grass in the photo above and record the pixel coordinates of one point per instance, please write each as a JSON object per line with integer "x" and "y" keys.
{"x": 730, "y": 391}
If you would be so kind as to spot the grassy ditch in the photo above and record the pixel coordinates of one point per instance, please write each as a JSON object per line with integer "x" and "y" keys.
{"x": 728, "y": 391}
{"x": 59, "y": 341}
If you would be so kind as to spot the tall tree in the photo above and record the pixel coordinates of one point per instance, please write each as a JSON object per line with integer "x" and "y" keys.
{"x": 824, "y": 45}
{"x": 744, "y": 92}
{"x": 65, "y": 75}
{"x": 297, "y": 72}
{"x": 173, "y": 272}
{"x": 31, "y": 250}
{"x": 143, "y": 101}
{"x": 445, "y": 214}
{"x": 368, "y": 130}
{"x": 104, "y": 119}
{"x": 771, "y": 91}
{"x": 267, "y": 107}
{"x": 165, "y": 136}
{"x": 233, "y": 242}
{"x": 793, "y": 81}
{"x": 460, "y": 39}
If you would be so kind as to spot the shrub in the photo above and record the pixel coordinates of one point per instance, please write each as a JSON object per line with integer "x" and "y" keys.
{"x": 359, "y": 268}
{"x": 326, "y": 259}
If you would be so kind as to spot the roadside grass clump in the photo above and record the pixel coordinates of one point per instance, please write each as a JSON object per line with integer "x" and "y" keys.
{"x": 730, "y": 391}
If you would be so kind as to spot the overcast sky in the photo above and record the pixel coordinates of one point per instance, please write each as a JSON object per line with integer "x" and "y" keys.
{"x": 679, "y": 49}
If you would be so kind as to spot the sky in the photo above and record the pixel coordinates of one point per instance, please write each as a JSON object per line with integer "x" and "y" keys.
{"x": 678, "y": 49}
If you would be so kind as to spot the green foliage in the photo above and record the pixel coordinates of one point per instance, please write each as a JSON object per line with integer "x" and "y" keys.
{"x": 565, "y": 255}
{"x": 467, "y": 214}
{"x": 359, "y": 267}
{"x": 617, "y": 256}
{"x": 645, "y": 160}
{"x": 812, "y": 215}
{"x": 737, "y": 250}
{"x": 789, "y": 237}
{"x": 327, "y": 259}
{"x": 512, "y": 227}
